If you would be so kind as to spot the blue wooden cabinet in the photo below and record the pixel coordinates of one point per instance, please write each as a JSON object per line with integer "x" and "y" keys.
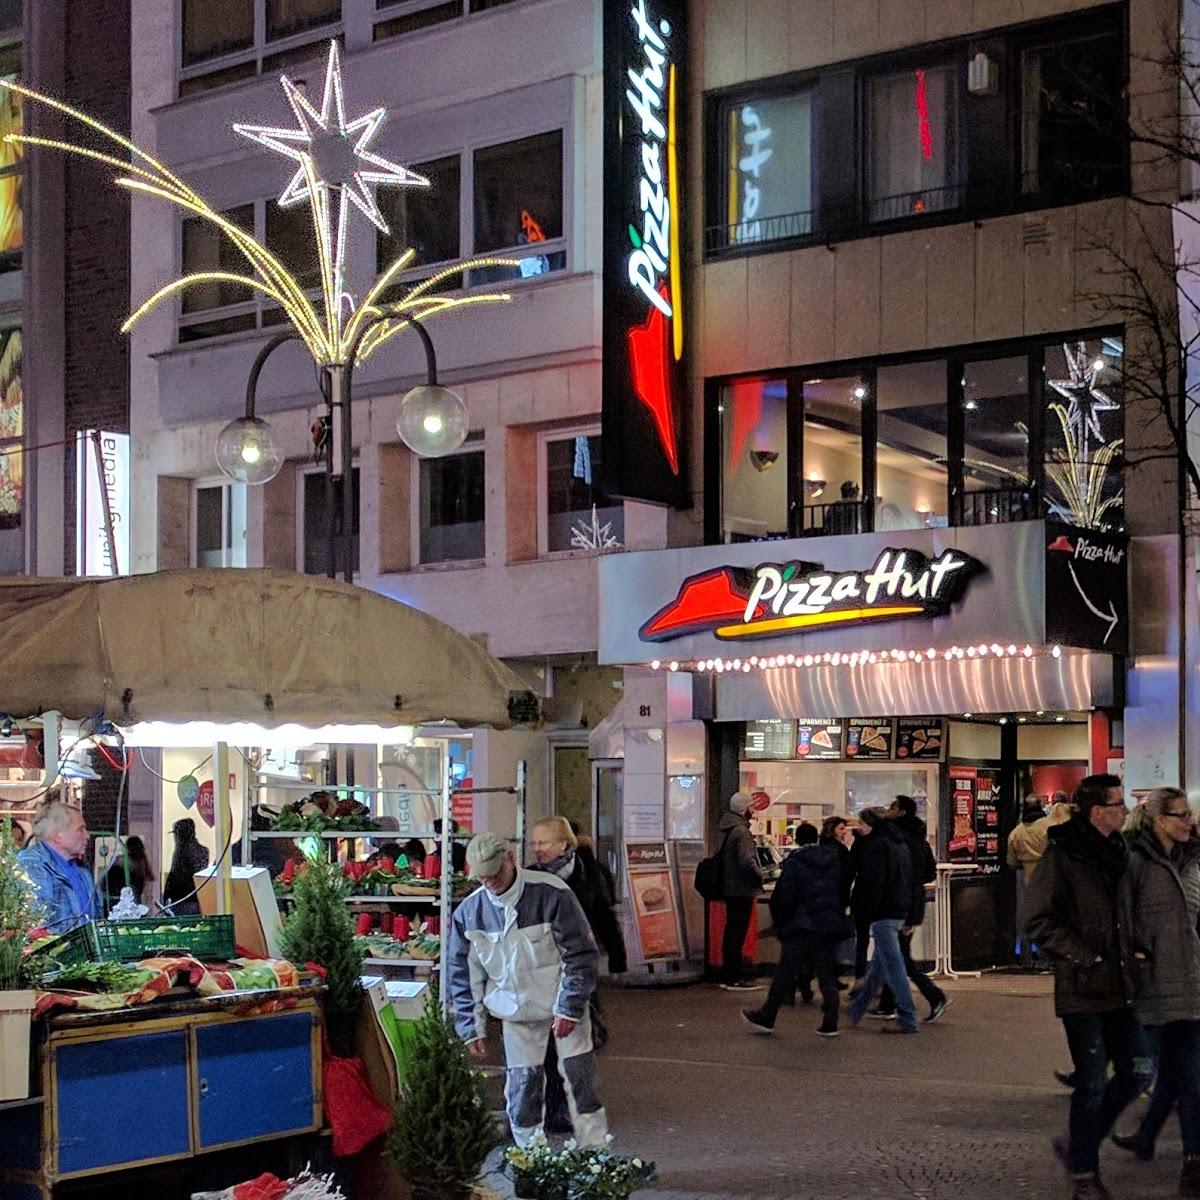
{"x": 130, "y": 1089}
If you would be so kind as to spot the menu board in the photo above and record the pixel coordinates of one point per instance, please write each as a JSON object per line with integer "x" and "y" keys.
{"x": 987, "y": 819}
{"x": 961, "y": 845}
{"x": 772, "y": 738}
{"x": 818, "y": 738}
{"x": 869, "y": 738}
{"x": 920, "y": 738}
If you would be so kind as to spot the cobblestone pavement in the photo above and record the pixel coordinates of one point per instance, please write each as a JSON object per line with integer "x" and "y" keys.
{"x": 963, "y": 1111}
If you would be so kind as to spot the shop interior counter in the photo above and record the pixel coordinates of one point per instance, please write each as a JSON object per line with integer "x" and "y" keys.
{"x": 167, "y": 1081}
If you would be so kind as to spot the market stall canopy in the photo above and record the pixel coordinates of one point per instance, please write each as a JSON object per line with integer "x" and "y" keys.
{"x": 269, "y": 647}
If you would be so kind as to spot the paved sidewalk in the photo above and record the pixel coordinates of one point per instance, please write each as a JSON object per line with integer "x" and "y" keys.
{"x": 962, "y": 1111}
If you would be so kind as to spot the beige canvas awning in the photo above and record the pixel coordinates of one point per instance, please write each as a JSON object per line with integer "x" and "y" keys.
{"x": 260, "y": 646}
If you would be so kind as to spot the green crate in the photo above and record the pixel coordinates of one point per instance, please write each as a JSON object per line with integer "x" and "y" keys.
{"x": 78, "y": 945}
{"x": 201, "y": 937}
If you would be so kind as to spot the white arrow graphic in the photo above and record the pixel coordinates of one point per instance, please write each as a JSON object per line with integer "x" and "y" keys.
{"x": 1110, "y": 616}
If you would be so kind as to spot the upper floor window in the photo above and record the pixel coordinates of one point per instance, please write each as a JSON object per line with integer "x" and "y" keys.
{"x": 412, "y": 15}
{"x": 982, "y": 125}
{"x": 314, "y": 500}
{"x": 424, "y": 220}
{"x": 12, "y": 430}
{"x": 913, "y": 142}
{"x": 220, "y": 41}
{"x": 577, "y": 515}
{"x": 452, "y": 506}
{"x": 1001, "y": 434}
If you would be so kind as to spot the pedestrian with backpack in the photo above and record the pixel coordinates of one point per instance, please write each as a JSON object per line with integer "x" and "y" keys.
{"x": 740, "y": 881}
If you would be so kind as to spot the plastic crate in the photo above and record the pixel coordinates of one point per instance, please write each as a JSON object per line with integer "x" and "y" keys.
{"x": 78, "y": 945}
{"x": 201, "y": 937}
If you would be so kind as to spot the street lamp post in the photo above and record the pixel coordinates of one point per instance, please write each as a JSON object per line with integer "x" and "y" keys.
{"x": 432, "y": 420}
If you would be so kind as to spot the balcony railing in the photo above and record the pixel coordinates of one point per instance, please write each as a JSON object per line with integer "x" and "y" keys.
{"x": 836, "y": 517}
{"x": 995, "y": 506}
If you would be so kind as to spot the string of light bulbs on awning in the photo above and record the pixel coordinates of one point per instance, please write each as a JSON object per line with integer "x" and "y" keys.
{"x": 856, "y": 658}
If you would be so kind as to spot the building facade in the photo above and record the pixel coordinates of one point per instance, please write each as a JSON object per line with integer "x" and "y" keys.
{"x": 927, "y": 467}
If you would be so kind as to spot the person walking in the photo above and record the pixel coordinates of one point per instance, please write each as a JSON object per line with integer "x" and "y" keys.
{"x": 1026, "y": 846}
{"x": 1074, "y": 918}
{"x": 1160, "y": 908}
{"x": 51, "y": 858}
{"x": 903, "y": 815}
{"x": 141, "y": 873}
{"x": 883, "y": 900}
{"x": 556, "y": 849}
{"x": 521, "y": 949}
{"x": 809, "y": 911}
{"x": 742, "y": 879}
{"x": 189, "y": 858}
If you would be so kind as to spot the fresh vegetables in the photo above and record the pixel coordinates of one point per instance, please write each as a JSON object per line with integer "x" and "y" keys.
{"x": 100, "y": 977}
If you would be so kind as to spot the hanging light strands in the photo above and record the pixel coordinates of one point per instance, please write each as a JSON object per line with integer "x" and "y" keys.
{"x": 335, "y": 167}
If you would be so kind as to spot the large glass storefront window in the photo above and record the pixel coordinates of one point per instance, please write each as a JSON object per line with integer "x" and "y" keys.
{"x": 996, "y": 435}
{"x": 834, "y": 496}
{"x": 754, "y": 456}
{"x": 912, "y": 450}
{"x": 1085, "y": 424}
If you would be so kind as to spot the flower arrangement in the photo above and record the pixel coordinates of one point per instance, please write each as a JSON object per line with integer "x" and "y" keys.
{"x": 540, "y": 1172}
{"x": 20, "y": 916}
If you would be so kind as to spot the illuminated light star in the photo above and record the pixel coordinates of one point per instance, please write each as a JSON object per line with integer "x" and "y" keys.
{"x": 1086, "y": 400}
{"x": 648, "y": 362}
{"x": 333, "y": 156}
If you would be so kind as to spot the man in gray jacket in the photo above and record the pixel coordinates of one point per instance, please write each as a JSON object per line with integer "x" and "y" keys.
{"x": 522, "y": 950}
{"x": 743, "y": 880}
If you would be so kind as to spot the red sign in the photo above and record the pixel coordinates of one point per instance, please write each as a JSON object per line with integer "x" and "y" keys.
{"x": 462, "y": 808}
{"x": 206, "y": 801}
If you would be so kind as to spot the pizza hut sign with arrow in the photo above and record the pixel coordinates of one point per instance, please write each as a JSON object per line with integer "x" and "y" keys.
{"x": 1087, "y": 588}
{"x": 778, "y": 599}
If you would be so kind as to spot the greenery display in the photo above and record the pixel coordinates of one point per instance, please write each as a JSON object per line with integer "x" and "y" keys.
{"x": 20, "y": 916}
{"x": 443, "y": 1131}
{"x": 575, "y": 1172}
{"x": 320, "y": 930}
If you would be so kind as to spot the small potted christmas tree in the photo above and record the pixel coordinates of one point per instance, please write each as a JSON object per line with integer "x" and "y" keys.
{"x": 443, "y": 1131}
{"x": 19, "y": 917}
{"x": 319, "y": 930}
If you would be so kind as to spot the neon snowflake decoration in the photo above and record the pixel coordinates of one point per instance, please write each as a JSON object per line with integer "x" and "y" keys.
{"x": 593, "y": 536}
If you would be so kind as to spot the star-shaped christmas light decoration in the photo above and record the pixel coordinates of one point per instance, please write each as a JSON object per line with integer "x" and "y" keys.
{"x": 333, "y": 156}
{"x": 594, "y": 536}
{"x": 1085, "y": 398}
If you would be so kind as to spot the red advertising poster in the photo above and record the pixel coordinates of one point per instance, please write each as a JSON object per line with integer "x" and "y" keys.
{"x": 206, "y": 800}
{"x": 655, "y": 912}
{"x": 462, "y": 808}
{"x": 961, "y": 846}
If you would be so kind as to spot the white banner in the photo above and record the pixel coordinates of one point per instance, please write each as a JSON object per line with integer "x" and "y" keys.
{"x": 94, "y": 476}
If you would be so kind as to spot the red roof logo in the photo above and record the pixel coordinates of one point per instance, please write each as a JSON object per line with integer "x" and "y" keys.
{"x": 648, "y": 360}
{"x": 1062, "y": 543}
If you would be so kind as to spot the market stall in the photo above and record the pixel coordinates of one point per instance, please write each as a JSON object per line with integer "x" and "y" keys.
{"x": 237, "y": 659}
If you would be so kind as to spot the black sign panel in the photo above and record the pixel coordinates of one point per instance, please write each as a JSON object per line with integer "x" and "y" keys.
{"x": 920, "y": 738}
{"x": 869, "y": 737}
{"x": 1087, "y": 588}
{"x": 819, "y": 737}
{"x": 647, "y": 321}
{"x": 770, "y": 739}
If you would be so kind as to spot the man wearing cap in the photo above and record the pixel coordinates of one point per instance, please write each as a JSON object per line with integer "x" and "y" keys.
{"x": 521, "y": 949}
{"x": 742, "y": 881}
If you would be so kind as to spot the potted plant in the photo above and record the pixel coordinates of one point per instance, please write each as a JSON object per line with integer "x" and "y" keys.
{"x": 443, "y": 1129}
{"x": 19, "y": 917}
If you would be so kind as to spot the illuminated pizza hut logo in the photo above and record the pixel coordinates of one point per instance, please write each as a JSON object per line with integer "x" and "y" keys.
{"x": 781, "y": 598}
{"x": 653, "y": 261}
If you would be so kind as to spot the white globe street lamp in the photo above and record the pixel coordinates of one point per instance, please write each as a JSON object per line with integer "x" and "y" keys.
{"x": 248, "y": 451}
{"x": 432, "y": 420}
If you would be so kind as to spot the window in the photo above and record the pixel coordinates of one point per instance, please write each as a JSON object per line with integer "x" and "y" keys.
{"x": 12, "y": 430}
{"x": 517, "y": 202}
{"x": 12, "y": 168}
{"x": 1072, "y": 139}
{"x": 770, "y": 168}
{"x": 1085, "y": 423}
{"x": 834, "y": 494}
{"x": 913, "y": 142}
{"x": 220, "y": 525}
{"x": 424, "y": 220}
{"x": 419, "y": 15}
{"x": 997, "y": 423}
{"x": 579, "y": 515}
{"x": 452, "y": 506}
{"x": 204, "y": 247}
{"x": 912, "y": 454}
{"x": 316, "y": 532}
{"x": 753, "y": 416}
{"x": 218, "y": 43}
{"x": 290, "y": 237}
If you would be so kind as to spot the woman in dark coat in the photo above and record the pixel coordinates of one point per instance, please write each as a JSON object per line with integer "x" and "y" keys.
{"x": 557, "y": 850}
{"x": 141, "y": 873}
{"x": 189, "y": 857}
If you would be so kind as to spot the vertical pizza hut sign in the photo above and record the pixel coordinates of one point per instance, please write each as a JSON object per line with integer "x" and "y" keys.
{"x": 645, "y": 305}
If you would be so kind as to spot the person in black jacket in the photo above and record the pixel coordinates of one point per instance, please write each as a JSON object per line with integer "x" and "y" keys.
{"x": 883, "y": 898}
{"x": 809, "y": 911}
{"x": 903, "y": 814}
{"x": 189, "y": 859}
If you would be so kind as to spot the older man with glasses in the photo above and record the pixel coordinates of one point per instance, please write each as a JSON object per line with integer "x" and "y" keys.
{"x": 1074, "y": 918}
{"x": 1160, "y": 908}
